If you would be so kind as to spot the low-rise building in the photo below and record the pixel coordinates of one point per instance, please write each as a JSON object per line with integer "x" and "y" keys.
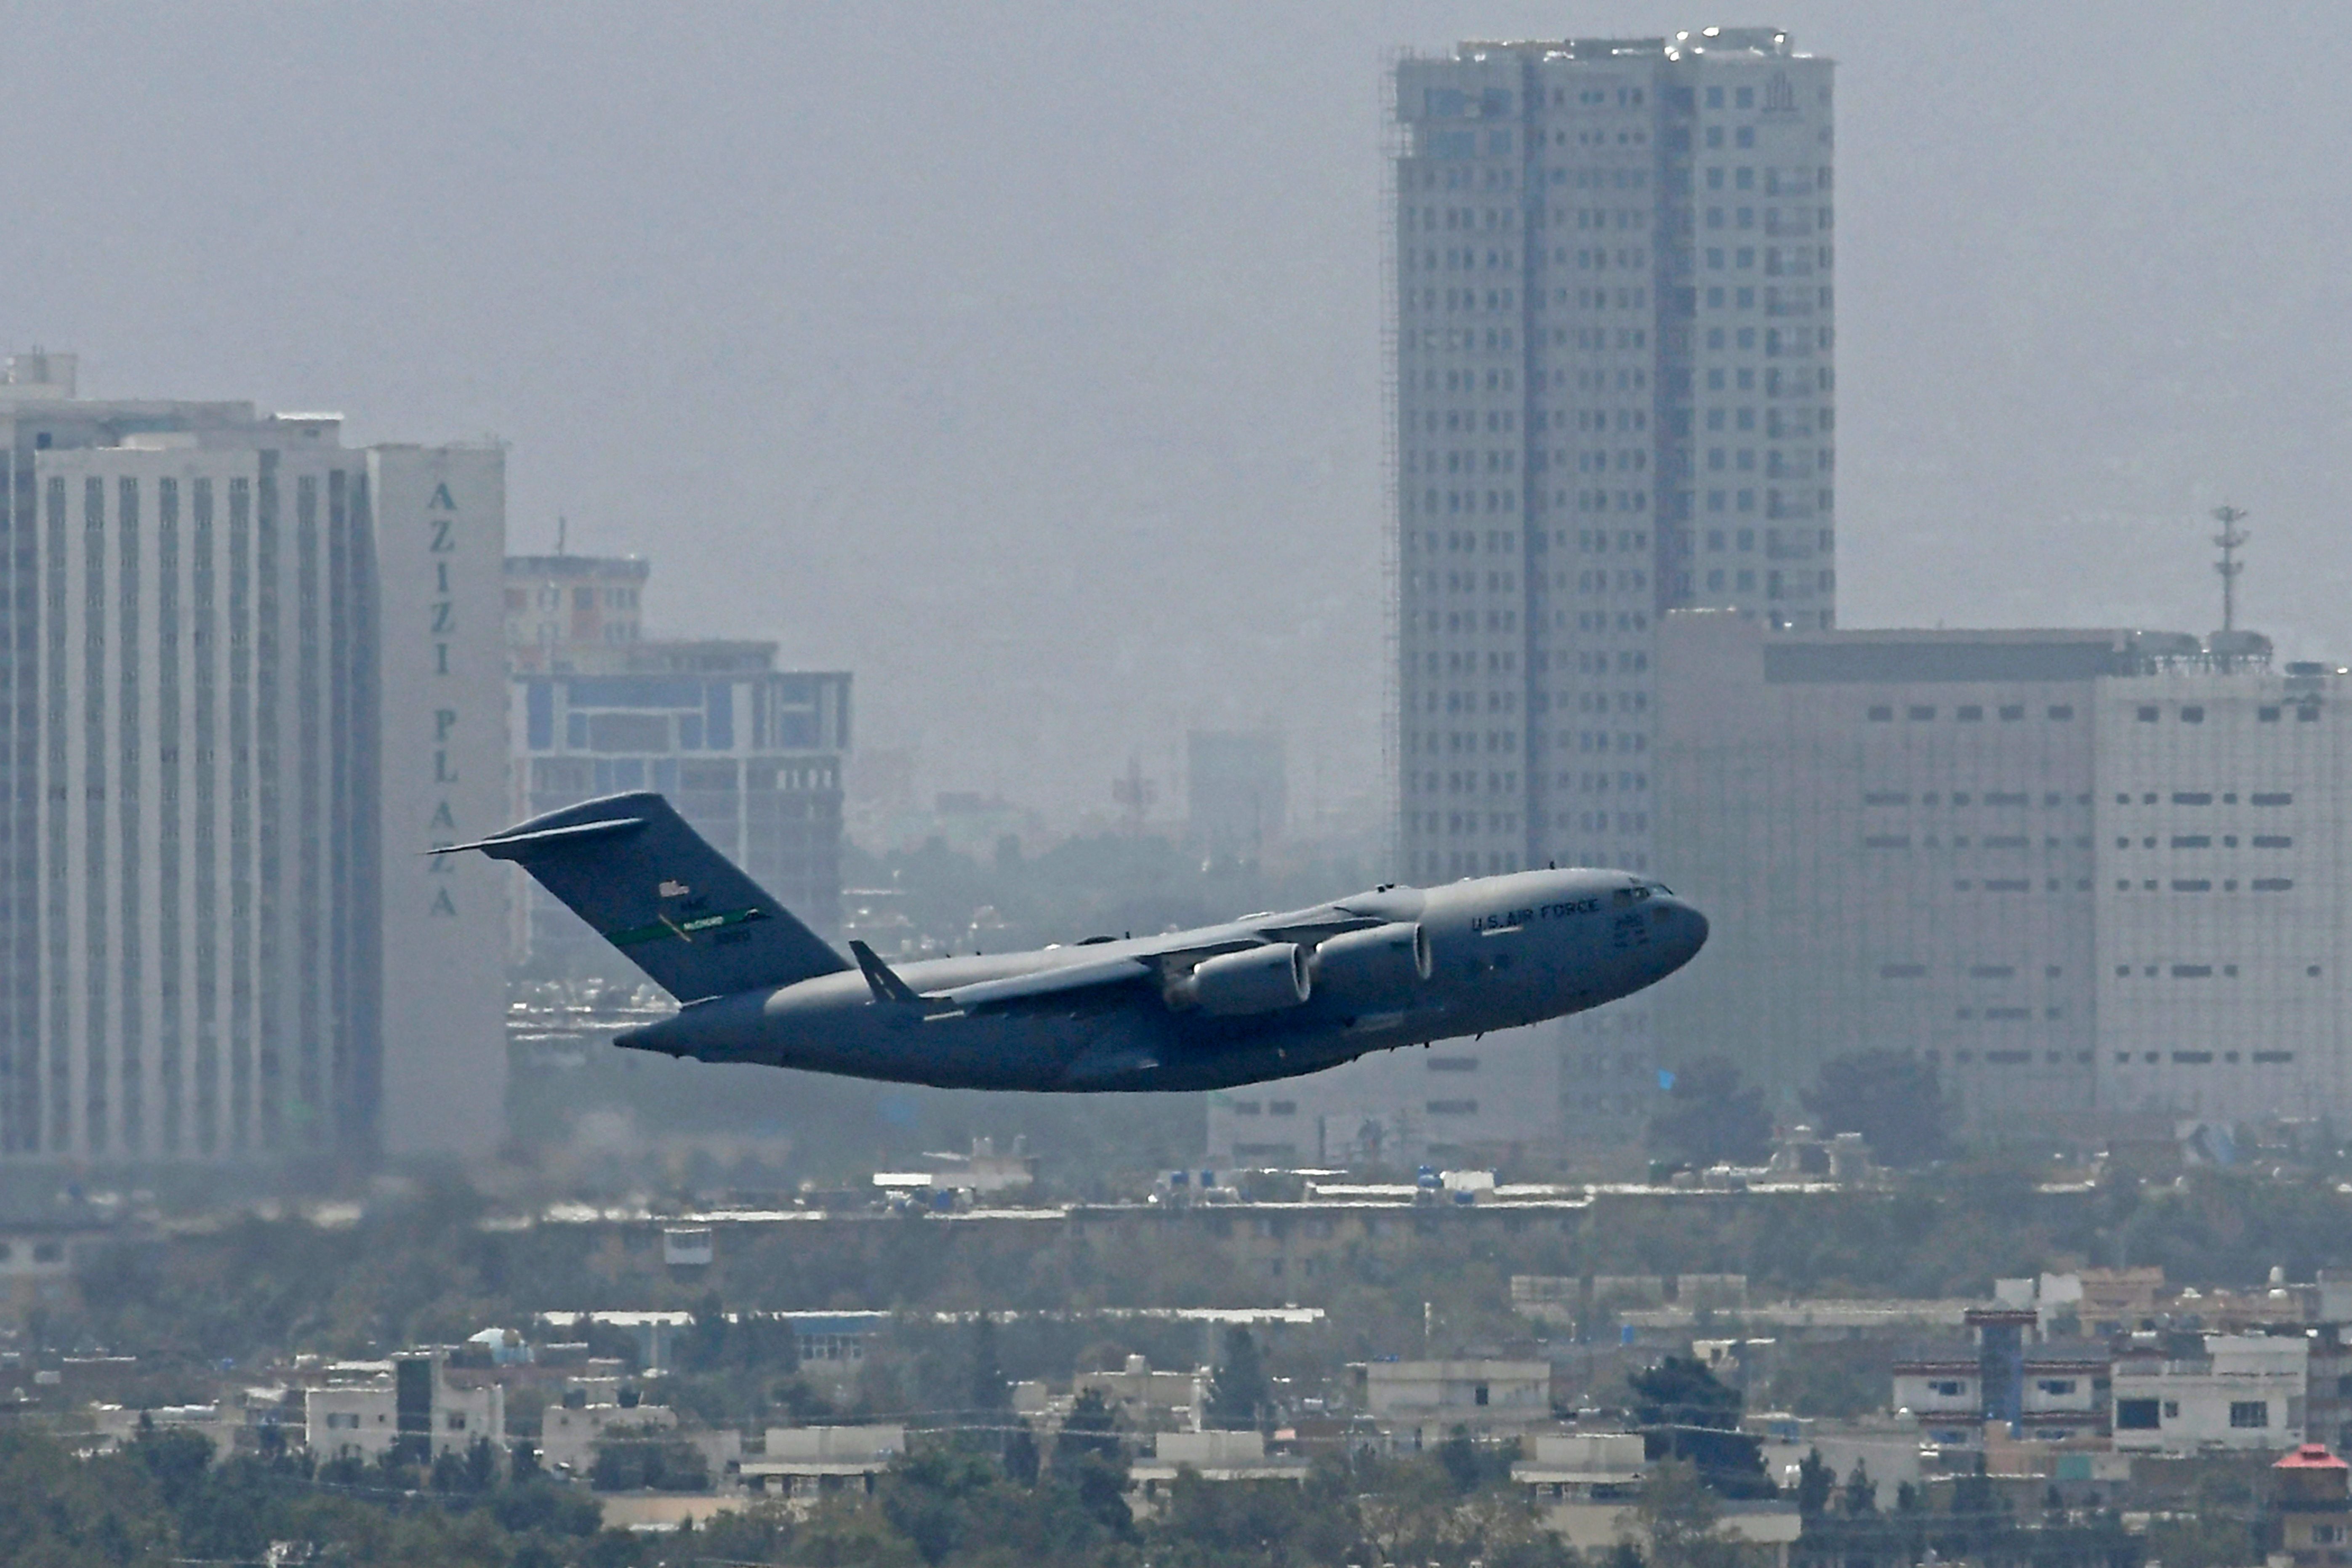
{"x": 2245, "y": 1392}
{"x": 367, "y": 1408}
{"x": 1563, "y": 1468}
{"x": 1585, "y": 1485}
{"x": 2312, "y": 1511}
{"x": 1149, "y": 1398}
{"x": 119, "y": 1424}
{"x": 802, "y": 1463}
{"x": 1418, "y": 1404}
{"x": 1213, "y": 1456}
{"x": 569, "y": 1434}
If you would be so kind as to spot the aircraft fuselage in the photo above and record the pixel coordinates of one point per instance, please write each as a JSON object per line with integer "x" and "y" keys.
{"x": 1502, "y": 951}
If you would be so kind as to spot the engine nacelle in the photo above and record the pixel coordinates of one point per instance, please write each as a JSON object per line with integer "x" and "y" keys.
{"x": 1383, "y": 965}
{"x": 1255, "y": 980}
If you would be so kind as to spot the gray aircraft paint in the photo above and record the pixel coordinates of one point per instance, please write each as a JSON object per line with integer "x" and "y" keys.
{"x": 1128, "y": 1014}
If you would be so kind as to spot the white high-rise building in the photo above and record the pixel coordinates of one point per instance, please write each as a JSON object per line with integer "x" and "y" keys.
{"x": 245, "y": 671}
{"x": 1613, "y": 397}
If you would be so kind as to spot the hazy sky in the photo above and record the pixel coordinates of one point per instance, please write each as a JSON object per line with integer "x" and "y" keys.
{"x": 1024, "y": 359}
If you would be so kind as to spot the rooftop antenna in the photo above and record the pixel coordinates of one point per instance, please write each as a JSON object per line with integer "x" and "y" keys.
{"x": 2230, "y": 539}
{"x": 561, "y": 523}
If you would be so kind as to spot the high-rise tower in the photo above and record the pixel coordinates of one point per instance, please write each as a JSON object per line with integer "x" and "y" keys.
{"x": 1613, "y": 397}
{"x": 247, "y": 675}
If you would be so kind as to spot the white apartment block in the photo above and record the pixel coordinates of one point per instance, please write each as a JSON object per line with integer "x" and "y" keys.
{"x": 1615, "y": 320}
{"x": 364, "y": 1416}
{"x": 2088, "y": 874}
{"x": 2246, "y": 1392}
{"x": 243, "y": 679}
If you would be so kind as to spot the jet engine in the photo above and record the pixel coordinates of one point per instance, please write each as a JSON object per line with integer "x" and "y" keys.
{"x": 1382, "y": 964}
{"x": 1255, "y": 980}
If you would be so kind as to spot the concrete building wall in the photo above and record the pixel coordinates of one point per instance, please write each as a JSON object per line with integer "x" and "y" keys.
{"x": 196, "y": 799}
{"x": 2224, "y": 988}
{"x": 1891, "y": 834}
{"x": 2086, "y": 874}
{"x": 440, "y": 548}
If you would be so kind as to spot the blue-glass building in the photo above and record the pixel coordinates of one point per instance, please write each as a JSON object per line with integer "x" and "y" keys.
{"x": 750, "y": 755}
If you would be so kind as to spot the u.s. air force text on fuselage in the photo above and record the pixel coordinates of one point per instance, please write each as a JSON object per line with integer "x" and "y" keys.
{"x": 1267, "y": 995}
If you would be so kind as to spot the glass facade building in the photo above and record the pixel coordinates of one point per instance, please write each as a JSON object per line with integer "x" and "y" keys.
{"x": 750, "y": 755}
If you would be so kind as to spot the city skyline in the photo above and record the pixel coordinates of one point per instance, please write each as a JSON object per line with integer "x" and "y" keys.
{"x": 916, "y": 394}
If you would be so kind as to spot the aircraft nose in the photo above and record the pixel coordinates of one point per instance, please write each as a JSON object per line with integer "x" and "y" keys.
{"x": 1687, "y": 930}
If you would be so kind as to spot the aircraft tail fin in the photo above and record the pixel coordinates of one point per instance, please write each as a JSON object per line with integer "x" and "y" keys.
{"x": 631, "y": 867}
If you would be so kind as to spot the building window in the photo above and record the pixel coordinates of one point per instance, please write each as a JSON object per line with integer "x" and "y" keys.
{"x": 2248, "y": 1413}
{"x": 2061, "y": 714}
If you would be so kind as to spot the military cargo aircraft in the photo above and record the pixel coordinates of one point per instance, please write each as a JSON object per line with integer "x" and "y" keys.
{"x": 1268, "y": 995}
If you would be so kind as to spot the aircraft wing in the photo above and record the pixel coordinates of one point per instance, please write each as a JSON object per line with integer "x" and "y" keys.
{"x": 1309, "y": 927}
{"x": 1042, "y": 983}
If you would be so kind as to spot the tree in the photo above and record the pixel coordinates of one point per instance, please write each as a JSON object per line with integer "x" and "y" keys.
{"x": 1089, "y": 1458}
{"x": 1687, "y": 1413}
{"x": 988, "y": 1391}
{"x": 1710, "y": 1119}
{"x": 1091, "y": 1427}
{"x": 1816, "y": 1479}
{"x": 1680, "y": 1516}
{"x": 1892, "y": 1097}
{"x": 1861, "y": 1498}
{"x": 1021, "y": 1459}
{"x": 1682, "y": 1391}
{"x": 1237, "y": 1392}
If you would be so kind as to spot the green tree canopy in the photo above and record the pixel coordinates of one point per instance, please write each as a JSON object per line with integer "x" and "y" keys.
{"x": 1710, "y": 1117}
{"x": 1892, "y": 1097}
{"x": 1238, "y": 1394}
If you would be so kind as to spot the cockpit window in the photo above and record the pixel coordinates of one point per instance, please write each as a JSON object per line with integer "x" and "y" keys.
{"x": 1640, "y": 891}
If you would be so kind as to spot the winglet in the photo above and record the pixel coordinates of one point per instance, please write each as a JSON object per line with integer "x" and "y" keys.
{"x": 888, "y": 986}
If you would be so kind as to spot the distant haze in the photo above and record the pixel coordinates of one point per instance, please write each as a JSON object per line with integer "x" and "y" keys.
{"x": 1025, "y": 359}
